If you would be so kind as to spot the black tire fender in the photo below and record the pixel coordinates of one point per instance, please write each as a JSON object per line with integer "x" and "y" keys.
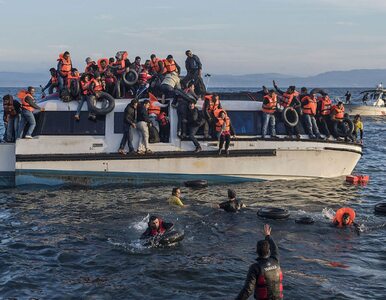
{"x": 196, "y": 183}
{"x": 130, "y": 77}
{"x": 380, "y": 208}
{"x": 305, "y": 220}
{"x": 273, "y": 213}
{"x": 103, "y": 111}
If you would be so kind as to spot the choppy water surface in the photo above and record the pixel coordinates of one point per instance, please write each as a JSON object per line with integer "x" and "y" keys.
{"x": 71, "y": 243}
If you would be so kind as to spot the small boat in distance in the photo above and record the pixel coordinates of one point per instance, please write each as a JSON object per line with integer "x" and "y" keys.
{"x": 372, "y": 103}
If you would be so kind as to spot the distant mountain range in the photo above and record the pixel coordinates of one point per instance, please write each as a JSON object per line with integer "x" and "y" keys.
{"x": 352, "y": 78}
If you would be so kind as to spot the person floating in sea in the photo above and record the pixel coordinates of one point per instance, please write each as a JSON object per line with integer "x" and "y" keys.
{"x": 344, "y": 216}
{"x": 232, "y": 204}
{"x": 174, "y": 199}
{"x": 156, "y": 226}
{"x": 358, "y": 128}
{"x": 264, "y": 277}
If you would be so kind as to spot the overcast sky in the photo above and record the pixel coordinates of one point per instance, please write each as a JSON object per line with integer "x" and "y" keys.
{"x": 299, "y": 37}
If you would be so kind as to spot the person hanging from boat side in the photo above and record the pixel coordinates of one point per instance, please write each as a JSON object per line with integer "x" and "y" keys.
{"x": 358, "y": 128}
{"x": 195, "y": 122}
{"x": 224, "y": 130}
{"x": 348, "y": 97}
{"x": 11, "y": 118}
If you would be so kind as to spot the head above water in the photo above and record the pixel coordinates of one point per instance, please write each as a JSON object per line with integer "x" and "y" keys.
{"x": 153, "y": 222}
{"x": 262, "y": 249}
{"x": 231, "y": 194}
{"x": 346, "y": 219}
{"x": 357, "y": 118}
{"x": 176, "y": 192}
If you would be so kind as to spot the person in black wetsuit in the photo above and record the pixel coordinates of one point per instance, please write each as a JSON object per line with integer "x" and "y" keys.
{"x": 156, "y": 226}
{"x": 231, "y": 205}
{"x": 264, "y": 277}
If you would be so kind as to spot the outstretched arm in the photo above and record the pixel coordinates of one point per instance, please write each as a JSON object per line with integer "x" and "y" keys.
{"x": 272, "y": 245}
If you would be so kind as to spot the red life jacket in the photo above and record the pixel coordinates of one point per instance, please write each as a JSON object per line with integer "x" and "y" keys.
{"x": 155, "y": 66}
{"x": 161, "y": 229}
{"x": 100, "y": 69}
{"x": 153, "y": 109}
{"x": 339, "y": 216}
{"x": 309, "y": 105}
{"x": 121, "y": 66}
{"x": 66, "y": 65}
{"x": 269, "y": 283}
{"x": 84, "y": 87}
{"x": 287, "y": 99}
{"x": 339, "y": 113}
{"x": 170, "y": 66}
{"x": 71, "y": 77}
{"x": 269, "y": 106}
{"x": 144, "y": 76}
{"x": 162, "y": 118}
{"x": 325, "y": 105}
{"x": 98, "y": 87}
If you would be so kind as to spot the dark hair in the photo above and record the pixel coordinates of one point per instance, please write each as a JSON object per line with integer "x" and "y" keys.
{"x": 262, "y": 248}
{"x": 133, "y": 101}
{"x": 111, "y": 59}
{"x": 231, "y": 193}
{"x": 174, "y": 191}
{"x": 7, "y": 97}
{"x": 30, "y": 88}
{"x": 74, "y": 70}
{"x": 340, "y": 103}
{"x": 68, "y": 53}
{"x": 146, "y": 102}
{"x": 52, "y": 69}
{"x": 97, "y": 74}
{"x": 137, "y": 57}
{"x": 187, "y": 51}
{"x": 303, "y": 89}
{"x": 169, "y": 56}
{"x": 84, "y": 75}
{"x": 190, "y": 83}
{"x": 153, "y": 56}
{"x": 345, "y": 216}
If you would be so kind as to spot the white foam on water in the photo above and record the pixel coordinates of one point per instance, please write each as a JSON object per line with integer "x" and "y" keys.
{"x": 141, "y": 225}
{"x": 328, "y": 213}
{"x": 4, "y": 215}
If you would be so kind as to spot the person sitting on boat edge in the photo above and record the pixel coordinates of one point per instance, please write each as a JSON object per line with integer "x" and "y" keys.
{"x": 224, "y": 130}
{"x": 129, "y": 125}
{"x": 195, "y": 121}
{"x": 143, "y": 123}
{"x": 269, "y": 109}
{"x": 265, "y": 276}
{"x": 53, "y": 82}
{"x": 309, "y": 106}
{"x": 91, "y": 66}
{"x": 156, "y": 226}
{"x": 174, "y": 199}
{"x": 358, "y": 127}
{"x": 232, "y": 204}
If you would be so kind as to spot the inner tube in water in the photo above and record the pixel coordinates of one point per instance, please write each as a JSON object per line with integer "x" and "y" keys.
{"x": 196, "y": 183}
{"x": 130, "y": 77}
{"x": 273, "y": 213}
{"x": 305, "y": 220}
{"x": 290, "y": 116}
{"x": 101, "y": 98}
{"x": 380, "y": 208}
{"x": 344, "y": 128}
{"x": 171, "y": 237}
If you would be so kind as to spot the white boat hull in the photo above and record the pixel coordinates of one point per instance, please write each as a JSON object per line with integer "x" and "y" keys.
{"x": 7, "y": 164}
{"x": 365, "y": 110}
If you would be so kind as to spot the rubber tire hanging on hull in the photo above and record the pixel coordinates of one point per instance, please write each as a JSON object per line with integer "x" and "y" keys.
{"x": 273, "y": 213}
{"x": 130, "y": 77}
{"x": 75, "y": 89}
{"x": 290, "y": 116}
{"x": 305, "y": 220}
{"x": 344, "y": 128}
{"x": 380, "y": 208}
{"x": 196, "y": 183}
{"x": 103, "y": 111}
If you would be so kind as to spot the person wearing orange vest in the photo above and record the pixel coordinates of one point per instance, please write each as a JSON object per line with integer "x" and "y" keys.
{"x": 170, "y": 65}
{"x": 309, "y": 106}
{"x": 154, "y": 110}
{"x": 211, "y": 104}
{"x": 91, "y": 66}
{"x": 224, "y": 131}
{"x": 143, "y": 78}
{"x": 345, "y": 217}
{"x": 85, "y": 92}
{"x": 53, "y": 82}
{"x": 64, "y": 68}
{"x": 265, "y": 278}
{"x": 336, "y": 115}
{"x": 28, "y": 105}
{"x": 119, "y": 69}
{"x": 156, "y": 66}
{"x": 324, "y": 105}
{"x": 269, "y": 109}
{"x": 289, "y": 98}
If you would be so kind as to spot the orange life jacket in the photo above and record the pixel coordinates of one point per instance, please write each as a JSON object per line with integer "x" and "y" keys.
{"x": 339, "y": 113}
{"x": 71, "y": 77}
{"x": 84, "y": 87}
{"x": 121, "y": 66}
{"x": 220, "y": 123}
{"x": 153, "y": 109}
{"x": 22, "y": 95}
{"x": 66, "y": 65}
{"x": 325, "y": 105}
{"x": 339, "y": 216}
{"x": 309, "y": 105}
{"x": 155, "y": 66}
{"x": 170, "y": 66}
{"x": 144, "y": 76}
{"x": 270, "y": 107}
{"x": 287, "y": 99}
{"x": 102, "y": 70}
{"x": 98, "y": 87}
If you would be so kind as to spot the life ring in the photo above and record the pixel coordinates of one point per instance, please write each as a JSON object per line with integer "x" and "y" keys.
{"x": 380, "y": 208}
{"x": 171, "y": 237}
{"x": 305, "y": 220}
{"x": 344, "y": 128}
{"x": 103, "y": 110}
{"x": 290, "y": 116}
{"x": 130, "y": 77}
{"x": 196, "y": 183}
{"x": 273, "y": 213}
{"x": 74, "y": 89}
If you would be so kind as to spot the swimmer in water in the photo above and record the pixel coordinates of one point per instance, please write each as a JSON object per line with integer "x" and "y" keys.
{"x": 156, "y": 226}
{"x": 232, "y": 204}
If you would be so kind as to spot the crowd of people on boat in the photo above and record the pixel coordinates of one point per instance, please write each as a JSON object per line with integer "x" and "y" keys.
{"x": 158, "y": 79}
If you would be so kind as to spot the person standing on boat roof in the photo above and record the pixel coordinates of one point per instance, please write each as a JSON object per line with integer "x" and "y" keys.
{"x": 289, "y": 99}
{"x": 143, "y": 123}
{"x": 64, "y": 68}
{"x": 323, "y": 111}
{"x": 358, "y": 127}
{"x": 265, "y": 276}
{"x": 309, "y": 107}
{"x": 28, "y": 106}
{"x": 232, "y": 204}
{"x": 224, "y": 130}
{"x": 348, "y": 97}
{"x": 194, "y": 73}
{"x": 129, "y": 125}
{"x": 269, "y": 109}
{"x": 195, "y": 121}
{"x": 11, "y": 118}
{"x": 53, "y": 82}
{"x": 174, "y": 199}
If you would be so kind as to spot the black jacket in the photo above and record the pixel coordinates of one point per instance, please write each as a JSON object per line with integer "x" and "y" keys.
{"x": 130, "y": 115}
{"x": 193, "y": 63}
{"x": 231, "y": 205}
{"x": 194, "y": 117}
{"x": 143, "y": 115}
{"x": 270, "y": 269}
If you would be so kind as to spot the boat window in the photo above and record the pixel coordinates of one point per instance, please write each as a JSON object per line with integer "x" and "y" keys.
{"x": 63, "y": 123}
{"x": 118, "y": 122}
{"x": 245, "y": 122}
